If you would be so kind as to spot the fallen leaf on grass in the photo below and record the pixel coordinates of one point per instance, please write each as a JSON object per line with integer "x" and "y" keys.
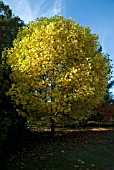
{"x": 92, "y": 165}
{"x": 42, "y": 157}
{"x": 82, "y": 162}
{"x": 79, "y": 160}
{"x": 76, "y": 166}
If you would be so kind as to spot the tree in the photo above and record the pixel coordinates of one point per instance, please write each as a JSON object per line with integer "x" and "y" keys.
{"x": 9, "y": 26}
{"x": 57, "y": 70}
{"x": 9, "y": 119}
{"x": 105, "y": 110}
{"x": 109, "y": 96}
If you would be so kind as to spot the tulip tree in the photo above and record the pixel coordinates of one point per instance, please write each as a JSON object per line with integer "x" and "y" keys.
{"x": 57, "y": 70}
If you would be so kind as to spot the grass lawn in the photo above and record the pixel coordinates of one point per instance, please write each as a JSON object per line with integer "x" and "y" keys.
{"x": 69, "y": 150}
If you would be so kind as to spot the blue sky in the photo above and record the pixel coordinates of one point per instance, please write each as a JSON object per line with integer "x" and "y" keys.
{"x": 96, "y": 14}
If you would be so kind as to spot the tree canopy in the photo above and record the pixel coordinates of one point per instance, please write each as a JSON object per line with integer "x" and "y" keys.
{"x": 9, "y": 25}
{"x": 10, "y": 122}
{"x": 57, "y": 70}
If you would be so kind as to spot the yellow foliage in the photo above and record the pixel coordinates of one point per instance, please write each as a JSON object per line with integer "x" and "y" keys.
{"x": 55, "y": 65}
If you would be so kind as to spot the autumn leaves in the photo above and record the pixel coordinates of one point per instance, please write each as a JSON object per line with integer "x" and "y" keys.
{"x": 56, "y": 66}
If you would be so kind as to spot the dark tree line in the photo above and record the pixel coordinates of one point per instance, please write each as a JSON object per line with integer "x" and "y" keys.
{"x": 11, "y": 124}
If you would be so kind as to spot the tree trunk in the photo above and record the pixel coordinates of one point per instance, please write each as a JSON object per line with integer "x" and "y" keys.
{"x": 52, "y": 124}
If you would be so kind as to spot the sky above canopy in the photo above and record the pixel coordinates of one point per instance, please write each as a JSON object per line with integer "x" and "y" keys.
{"x": 96, "y": 14}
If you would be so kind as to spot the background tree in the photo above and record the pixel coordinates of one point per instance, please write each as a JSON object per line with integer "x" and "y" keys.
{"x": 105, "y": 111}
{"x": 109, "y": 96}
{"x": 9, "y": 119}
{"x": 56, "y": 70}
{"x": 9, "y": 26}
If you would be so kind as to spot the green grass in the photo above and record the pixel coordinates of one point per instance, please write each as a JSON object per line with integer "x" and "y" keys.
{"x": 69, "y": 150}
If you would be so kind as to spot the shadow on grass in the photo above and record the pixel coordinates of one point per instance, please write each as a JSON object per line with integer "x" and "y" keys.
{"x": 87, "y": 148}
